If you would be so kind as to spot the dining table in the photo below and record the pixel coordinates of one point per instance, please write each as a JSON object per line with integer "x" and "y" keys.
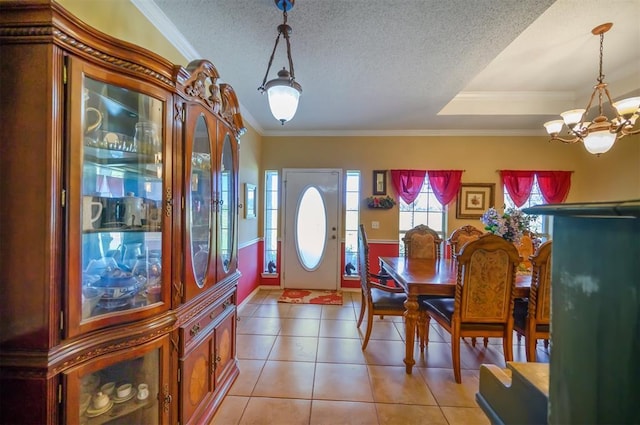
{"x": 420, "y": 276}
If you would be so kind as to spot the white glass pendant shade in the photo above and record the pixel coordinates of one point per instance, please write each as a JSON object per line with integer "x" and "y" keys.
{"x": 598, "y": 142}
{"x": 627, "y": 106}
{"x": 284, "y": 94}
{"x": 553, "y": 127}
{"x": 572, "y": 117}
{"x": 283, "y": 101}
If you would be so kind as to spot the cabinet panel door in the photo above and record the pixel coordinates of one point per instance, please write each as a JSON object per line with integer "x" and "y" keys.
{"x": 197, "y": 386}
{"x": 199, "y": 188}
{"x": 118, "y": 200}
{"x": 124, "y": 387}
{"x": 227, "y": 205}
{"x": 225, "y": 347}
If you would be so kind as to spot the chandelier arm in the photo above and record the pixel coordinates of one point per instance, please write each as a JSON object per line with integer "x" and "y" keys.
{"x": 625, "y": 132}
{"x": 264, "y": 80}
{"x": 620, "y": 117}
{"x": 567, "y": 141}
{"x": 596, "y": 89}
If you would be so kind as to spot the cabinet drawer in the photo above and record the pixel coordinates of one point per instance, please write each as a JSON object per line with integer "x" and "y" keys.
{"x": 203, "y": 321}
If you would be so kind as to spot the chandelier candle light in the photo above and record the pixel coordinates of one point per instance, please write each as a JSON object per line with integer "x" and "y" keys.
{"x": 283, "y": 92}
{"x": 600, "y": 134}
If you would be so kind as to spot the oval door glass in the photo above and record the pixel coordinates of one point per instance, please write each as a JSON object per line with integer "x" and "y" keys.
{"x": 311, "y": 228}
{"x": 201, "y": 190}
{"x": 226, "y": 207}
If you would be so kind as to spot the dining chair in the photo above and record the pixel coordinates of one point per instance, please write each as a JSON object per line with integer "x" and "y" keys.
{"x": 526, "y": 248}
{"x": 531, "y": 317}
{"x": 377, "y": 297}
{"x": 422, "y": 242}
{"x": 461, "y": 236}
{"x": 483, "y": 301}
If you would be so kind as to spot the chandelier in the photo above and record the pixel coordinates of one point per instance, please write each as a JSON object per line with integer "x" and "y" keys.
{"x": 600, "y": 134}
{"x": 283, "y": 92}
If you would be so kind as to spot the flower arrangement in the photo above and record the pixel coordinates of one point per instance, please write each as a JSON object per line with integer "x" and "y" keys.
{"x": 380, "y": 202}
{"x": 510, "y": 225}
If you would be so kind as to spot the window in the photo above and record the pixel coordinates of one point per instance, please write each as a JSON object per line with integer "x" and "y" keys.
{"x": 426, "y": 209}
{"x": 352, "y": 218}
{"x": 541, "y": 223}
{"x": 270, "y": 221}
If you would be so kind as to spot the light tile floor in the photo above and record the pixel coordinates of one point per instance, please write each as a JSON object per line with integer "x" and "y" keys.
{"x": 303, "y": 364}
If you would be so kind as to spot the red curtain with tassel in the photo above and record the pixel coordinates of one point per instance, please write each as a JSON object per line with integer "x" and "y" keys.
{"x": 408, "y": 183}
{"x": 445, "y": 184}
{"x": 518, "y": 184}
{"x": 554, "y": 185}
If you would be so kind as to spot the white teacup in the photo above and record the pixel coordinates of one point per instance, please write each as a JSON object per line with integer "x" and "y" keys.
{"x": 108, "y": 388}
{"x": 143, "y": 392}
{"x": 100, "y": 400}
{"x": 123, "y": 390}
{"x": 91, "y": 213}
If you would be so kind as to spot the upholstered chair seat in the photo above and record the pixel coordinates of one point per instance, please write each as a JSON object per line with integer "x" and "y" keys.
{"x": 384, "y": 300}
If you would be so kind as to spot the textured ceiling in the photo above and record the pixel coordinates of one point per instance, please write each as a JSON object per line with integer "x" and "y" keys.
{"x": 413, "y": 66}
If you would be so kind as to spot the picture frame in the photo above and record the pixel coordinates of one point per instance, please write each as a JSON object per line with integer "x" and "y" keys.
{"x": 250, "y": 200}
{"x": 474, "y": 199}
{"x": 379, "y": 182}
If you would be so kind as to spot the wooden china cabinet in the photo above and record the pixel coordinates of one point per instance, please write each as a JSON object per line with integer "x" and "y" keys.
{"x": 119, "y": 188}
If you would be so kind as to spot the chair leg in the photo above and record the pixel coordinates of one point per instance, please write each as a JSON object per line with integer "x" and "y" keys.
{"x": 546, "y": 344}
{"x": 455, "y": 357}
{"x": 486, "y": 341}
{"x": 363, "y": 307}
{"x": 423, "y": 329}
{"x": 531, "y": 348}
{"x": 507, "y": 344}
{"x": 368, "y": 333}
{"x": 473, "y": 341}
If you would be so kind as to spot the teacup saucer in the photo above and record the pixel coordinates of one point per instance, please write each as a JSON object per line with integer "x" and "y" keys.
{"x": 117, "y": 399}
{"x": 92, "y": 413}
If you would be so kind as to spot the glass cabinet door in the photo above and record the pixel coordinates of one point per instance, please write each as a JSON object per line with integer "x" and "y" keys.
{"x": 122, "y": 388}
{"x": 119, "y": 192}
{"x": 199, "y": 193}
{"x": 200, "y": 217}
{"x": 227, "y": 202}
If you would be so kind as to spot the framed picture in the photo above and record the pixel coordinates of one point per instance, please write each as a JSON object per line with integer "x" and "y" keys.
{"x": 474, "y": 199}
{"x": 379, "y": 182}
{"x": 250, "y": 200}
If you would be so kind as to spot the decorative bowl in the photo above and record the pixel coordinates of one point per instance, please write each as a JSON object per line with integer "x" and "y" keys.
{"x": 90, "y": 298}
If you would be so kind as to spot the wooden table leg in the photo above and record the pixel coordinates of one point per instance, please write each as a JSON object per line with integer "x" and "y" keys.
{"x": 411, "y": 316}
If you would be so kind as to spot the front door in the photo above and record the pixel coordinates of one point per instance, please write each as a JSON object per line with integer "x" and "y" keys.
{"x": 311, "y": 205}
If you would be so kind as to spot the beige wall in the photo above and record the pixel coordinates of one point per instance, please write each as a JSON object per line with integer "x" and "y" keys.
{"x": 480, "y": 157}
{"x": 250, "y": 153}
{"x": 122, "y": 20}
